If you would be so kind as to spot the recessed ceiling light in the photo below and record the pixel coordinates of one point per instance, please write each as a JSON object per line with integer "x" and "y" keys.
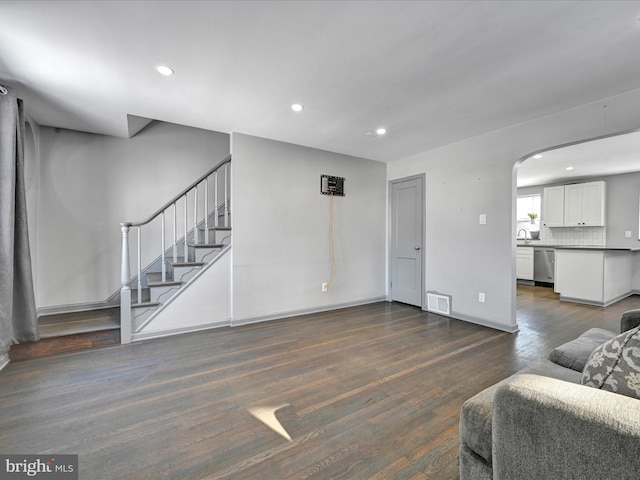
{"x": 164, "y": 70}
{"x": 296, "y": 107}
{"x": 539, "y": 155}
{"x": 569, "y": 168}
{"x": 381, "y": 131}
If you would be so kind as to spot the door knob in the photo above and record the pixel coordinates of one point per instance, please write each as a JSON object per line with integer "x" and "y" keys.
{"x": 417, "y": 248}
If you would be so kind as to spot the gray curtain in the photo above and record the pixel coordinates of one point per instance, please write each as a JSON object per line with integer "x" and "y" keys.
{"x": 18, "y": 318}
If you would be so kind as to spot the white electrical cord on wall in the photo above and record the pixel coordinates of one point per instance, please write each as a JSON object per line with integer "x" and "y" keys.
{"x": 331, "y": 252}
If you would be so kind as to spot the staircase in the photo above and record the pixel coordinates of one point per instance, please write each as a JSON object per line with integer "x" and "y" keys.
{"x": 202, "y": 215}
{"x": 68, "y": 332}
{"x": 156, "y": 292}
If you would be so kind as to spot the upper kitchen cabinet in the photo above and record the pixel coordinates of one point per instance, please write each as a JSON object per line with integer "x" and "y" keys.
{"x": 584, "y": 204}
{"x": 553, "y": 206}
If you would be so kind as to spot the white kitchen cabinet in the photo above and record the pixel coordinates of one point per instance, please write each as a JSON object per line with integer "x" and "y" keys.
{"x": 594, "y": 276}
{"x": 524, "y": 263}
{"x": 584, "y": 204}
{"x": 553, "y": 206}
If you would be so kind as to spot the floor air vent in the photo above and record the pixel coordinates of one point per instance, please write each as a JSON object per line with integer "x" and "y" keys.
{"x": 438, "y": 303}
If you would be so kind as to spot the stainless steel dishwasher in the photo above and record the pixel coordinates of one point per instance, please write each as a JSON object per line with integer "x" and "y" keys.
{"x": 543, "y": 264}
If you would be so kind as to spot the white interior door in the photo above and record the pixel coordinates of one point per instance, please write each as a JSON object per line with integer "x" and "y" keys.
{"x": 406, "y": 241}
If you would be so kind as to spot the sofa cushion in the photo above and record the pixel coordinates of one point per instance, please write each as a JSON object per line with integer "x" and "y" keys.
{"x": 473, "y": 466}
{"x": 476, "y": 416}
{"x": 615, "y": 365}
{"x": 574, "y": 354}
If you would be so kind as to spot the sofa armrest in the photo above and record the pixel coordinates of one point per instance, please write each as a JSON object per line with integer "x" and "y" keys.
{"x": 630, "y": 319}
{"x": 545, "y": 428}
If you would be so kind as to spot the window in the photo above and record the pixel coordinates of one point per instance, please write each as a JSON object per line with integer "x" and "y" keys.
{"x": 527, "y": 204}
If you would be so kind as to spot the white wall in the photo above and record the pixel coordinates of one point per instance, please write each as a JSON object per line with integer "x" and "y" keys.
{"x": 477, "y": 176}
{"x": 635, "y": 278}
{"x": 89, "y": 183}
{"x": 281, "y": 230}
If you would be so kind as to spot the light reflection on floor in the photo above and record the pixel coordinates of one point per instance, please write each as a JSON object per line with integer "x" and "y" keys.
{"x": 267, "y": 415}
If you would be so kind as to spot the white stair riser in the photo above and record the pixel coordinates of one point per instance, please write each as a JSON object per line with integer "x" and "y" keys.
{"x": 216, "y": 236}
{"x": 140, "y": 314}
{"x": 163, "y": 293}
{"x": 183, "y": 273}
{"x": 203, "y": 254}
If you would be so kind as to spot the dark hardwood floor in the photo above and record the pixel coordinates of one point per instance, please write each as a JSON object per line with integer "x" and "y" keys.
{"x": 371, "y": 392}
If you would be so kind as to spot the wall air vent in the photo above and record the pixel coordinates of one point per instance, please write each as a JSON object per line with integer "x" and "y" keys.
{"x": 438, "y": 303}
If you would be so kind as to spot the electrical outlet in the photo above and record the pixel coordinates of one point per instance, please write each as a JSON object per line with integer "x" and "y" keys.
{"x": 325, "y": 287}
{"x": 481, "y": 297}
{"x": 627, "y": 234}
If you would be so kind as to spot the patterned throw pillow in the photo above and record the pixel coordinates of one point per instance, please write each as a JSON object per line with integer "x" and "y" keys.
{"x": 615, "y": 365}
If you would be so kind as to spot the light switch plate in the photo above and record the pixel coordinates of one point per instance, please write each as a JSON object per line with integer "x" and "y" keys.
{"x": 483, "y": 219}
{"x": 627, "y": 233}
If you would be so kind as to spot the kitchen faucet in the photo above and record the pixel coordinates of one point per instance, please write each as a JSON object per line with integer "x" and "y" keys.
{"x": 526, "y": 233}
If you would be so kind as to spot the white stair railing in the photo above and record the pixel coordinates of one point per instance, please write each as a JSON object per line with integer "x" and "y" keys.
{"x": 201, "y": 209}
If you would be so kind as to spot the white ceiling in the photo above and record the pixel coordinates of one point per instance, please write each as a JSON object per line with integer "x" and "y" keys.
{"x": 606, "y": 156}
{"x": 431, "y": 72}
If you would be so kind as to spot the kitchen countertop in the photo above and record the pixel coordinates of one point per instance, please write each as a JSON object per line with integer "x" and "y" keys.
{"x": 537, "y": 243}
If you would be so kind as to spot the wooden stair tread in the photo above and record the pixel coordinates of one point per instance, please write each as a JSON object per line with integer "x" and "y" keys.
{"x": 145, "y": 304}
{"x": 72, "y": 323}
{"x": 68, "y": 332}
{"x": 168, "y": 283}
{"x": 206, "y": 245}
{"x": 186, "y": 264}
{"x": 72, "y": 328}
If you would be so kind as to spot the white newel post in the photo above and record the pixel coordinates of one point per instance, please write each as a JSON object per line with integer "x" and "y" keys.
{"x": 125, "y": 291}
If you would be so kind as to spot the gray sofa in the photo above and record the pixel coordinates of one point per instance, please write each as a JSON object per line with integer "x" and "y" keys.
{"x": 543, "y": 423}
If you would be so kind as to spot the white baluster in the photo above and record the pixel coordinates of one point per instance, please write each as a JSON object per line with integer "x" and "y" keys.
{"x": 226, "y": 198}
{"x": 175, "y": 233}
{"x": 215, "y": 197}
{"x": 186, "y": 227}
{"x": 206, "y": 211}
{"x": 195, "y": 215}
{"x": 139, "y": 264}
{"x": 164, "y": 263}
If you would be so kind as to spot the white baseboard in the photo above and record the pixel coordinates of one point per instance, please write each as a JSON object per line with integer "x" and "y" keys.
{"x": 484, "y": 323}
{"x": 305, "y": 311}
{"x": 136, "y": 337}
{"x": 611, "y": 301}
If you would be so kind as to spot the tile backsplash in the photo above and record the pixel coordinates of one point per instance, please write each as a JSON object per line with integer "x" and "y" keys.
{"x": 595, "y": 236}
{"x": 574, "y": 236}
